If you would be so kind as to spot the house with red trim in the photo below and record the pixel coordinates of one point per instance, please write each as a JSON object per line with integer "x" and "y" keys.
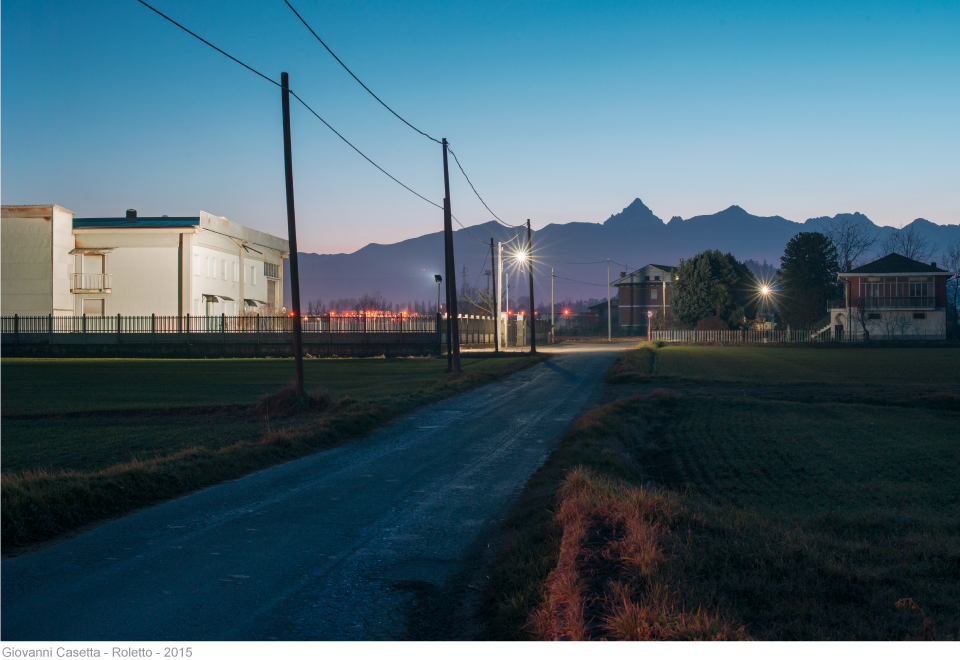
{"x": 644, "y": 293}
{"x": 893, "y": 298}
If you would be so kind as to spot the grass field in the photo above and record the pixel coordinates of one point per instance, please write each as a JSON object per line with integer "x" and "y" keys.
{"x": 773, "y": 366}
{"x": 88, "y": 439}
{"x": 762, "y": 517}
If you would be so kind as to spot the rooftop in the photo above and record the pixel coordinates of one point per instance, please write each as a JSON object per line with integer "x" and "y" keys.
{"x": 895, "y": 263}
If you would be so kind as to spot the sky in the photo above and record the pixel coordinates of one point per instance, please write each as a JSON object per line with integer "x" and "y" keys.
{"x": 559, "y": 111}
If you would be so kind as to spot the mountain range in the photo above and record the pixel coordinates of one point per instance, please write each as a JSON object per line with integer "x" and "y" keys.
{"x": 631, "y": 239}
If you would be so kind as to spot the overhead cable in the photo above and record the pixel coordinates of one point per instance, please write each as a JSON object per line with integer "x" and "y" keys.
{"x": 312, "y": 111}
{"x": 322, "y": 43}
{"x": 457, "y": 160}
{"x": 577, "y": 281}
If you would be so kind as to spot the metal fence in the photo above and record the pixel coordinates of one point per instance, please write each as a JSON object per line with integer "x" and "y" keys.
{"x": 154, "y": 324}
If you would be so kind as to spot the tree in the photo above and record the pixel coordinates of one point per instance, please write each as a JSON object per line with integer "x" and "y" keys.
{"x": 697, "y": 278}
{"x": 908, "y": 242}
{"x": 720, "y": 297}
{"x": 372, "y": 302}
{"x": 950, "y": 260}
{"x": 316, "y": 308}
{"x": 808, "y": 278}
{"x": 853, "y": 236}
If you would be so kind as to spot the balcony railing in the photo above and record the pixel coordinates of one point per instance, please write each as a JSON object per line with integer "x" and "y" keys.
{"x": 899, "y": 302}
{"x": 92, "y": 283}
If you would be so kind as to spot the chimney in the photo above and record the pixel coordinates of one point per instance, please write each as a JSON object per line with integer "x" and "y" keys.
{"x": 847, "y": 265}
{"x": 933, "y": 263}
{"x": 131, "y": 215}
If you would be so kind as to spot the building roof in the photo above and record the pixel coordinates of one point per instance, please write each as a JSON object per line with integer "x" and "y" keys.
{"x": 895, "y": 263}
{"x": 602, "y": 306}
{"x": 628, "y": 279}
{"x": 138, "y": 223}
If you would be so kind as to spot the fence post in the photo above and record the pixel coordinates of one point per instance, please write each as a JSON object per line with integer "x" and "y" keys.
{"x": 49, "y": 329}
{"x": 258, "y": 331}
{"x": 16, "y": 328}
{"x": 118, "y": 329}
{"x": 180, "y": 320}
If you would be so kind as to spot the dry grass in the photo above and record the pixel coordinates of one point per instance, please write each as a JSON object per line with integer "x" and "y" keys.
{"x": 636, "y": 366}
{"x": 608, "y": 583}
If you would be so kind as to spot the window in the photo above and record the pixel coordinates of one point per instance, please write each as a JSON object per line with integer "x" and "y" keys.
{"x": 93, "y": 307}
{"x": 236, "y": 271}
{"x": 656, "y": 277}
{"x": 919, "y": 315}
{"x": 253, "y": 275}
{"x": 223, "y": 269}
{"x": 918, "y": 289}
{"x": 873, "y": 317}
{"x": 270, "y": 270}
{"x": 210, "y": 266}
{"x": 646, "y": 278}
{"x": 196, "y": 265}
{"x": 653, "y": 294}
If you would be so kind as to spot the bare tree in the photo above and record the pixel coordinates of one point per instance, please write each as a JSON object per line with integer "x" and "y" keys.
{"x": 316, "y": 308}
{"x": 908, "y": 242}
{"x": 862, "y": 314}
{"x": 950, "y": 260}
{"x": 852, "y": 237}
{"x": 372, "y": 302}
{"x": 896, "y": 324}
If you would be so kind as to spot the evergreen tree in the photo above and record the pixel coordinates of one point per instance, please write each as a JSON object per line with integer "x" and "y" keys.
{"x": 698, "y": 283}
{"x": 808, "y": 279}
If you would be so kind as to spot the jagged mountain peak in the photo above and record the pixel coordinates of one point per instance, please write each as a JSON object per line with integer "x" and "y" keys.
{"x": 635, "y": 215}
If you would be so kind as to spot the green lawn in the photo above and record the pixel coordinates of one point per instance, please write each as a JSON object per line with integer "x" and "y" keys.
{"x": 840, "y": 366}
{"x": 38, "y": 386}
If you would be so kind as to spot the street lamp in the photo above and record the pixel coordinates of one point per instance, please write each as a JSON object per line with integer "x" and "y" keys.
{"x": 439, "y": 280}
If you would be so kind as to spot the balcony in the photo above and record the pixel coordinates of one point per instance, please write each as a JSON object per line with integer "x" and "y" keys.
{"x": 92, "y": 283}
{"x": 900, "y": 302}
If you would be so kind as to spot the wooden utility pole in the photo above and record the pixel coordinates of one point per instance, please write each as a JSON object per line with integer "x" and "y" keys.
{"x": 499, "y": 288}
{"x": 453, "y": 362}
{"x": 609, "y": 307}
{"x": 533, "y": 319}
{"x": 495, "y": 293}
{"x": 553, "y": 337}
{"x": 292, "y": 235}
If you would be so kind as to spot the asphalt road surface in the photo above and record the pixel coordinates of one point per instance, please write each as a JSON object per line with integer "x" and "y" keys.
{"x": 375, "y": 540}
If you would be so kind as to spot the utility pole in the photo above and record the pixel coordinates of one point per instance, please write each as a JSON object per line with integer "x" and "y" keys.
{"x": 533, "y": 320}
{"x": 499, "y": 285}
{"x": 292, "y": 235}
{"x": 496, "y": 299}
{"x": 553, "y": 337}
{"x": 506, "y": 340}
{"x": 609, "y": 307}
{"x": 453, "y": 362}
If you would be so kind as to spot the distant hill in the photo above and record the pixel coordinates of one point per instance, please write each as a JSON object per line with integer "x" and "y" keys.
{"x": 405, "y": 271}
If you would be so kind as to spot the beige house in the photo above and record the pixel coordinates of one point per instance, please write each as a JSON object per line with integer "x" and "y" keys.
{"x": 54, "y": 263}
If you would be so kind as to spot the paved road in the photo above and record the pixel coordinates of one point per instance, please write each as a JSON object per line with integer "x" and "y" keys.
{"x": 365, "y": 541}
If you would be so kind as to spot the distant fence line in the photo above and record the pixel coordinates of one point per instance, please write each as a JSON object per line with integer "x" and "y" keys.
{"x": 474, "y": 330}
{"x": 772, "y": 336}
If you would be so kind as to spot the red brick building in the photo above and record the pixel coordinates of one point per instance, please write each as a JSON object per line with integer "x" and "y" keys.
{"x": 648, "y": 289}
{"x": 896, "y": 298}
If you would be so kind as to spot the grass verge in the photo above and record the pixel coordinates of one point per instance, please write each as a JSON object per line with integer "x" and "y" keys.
{"x": 39, "y": 504}
{"x": 636, "y": 366}
{"x": 668, "y": 516}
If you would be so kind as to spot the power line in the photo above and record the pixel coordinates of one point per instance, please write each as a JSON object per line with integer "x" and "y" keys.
{"x": 578, "y": 263}
{"x": 307, "y": 25}
{"x": 578, "y": 281}
{"x": 457, "y": 160}
{"x": 312, "y": 111}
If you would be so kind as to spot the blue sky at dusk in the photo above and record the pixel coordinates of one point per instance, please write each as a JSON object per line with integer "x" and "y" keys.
{"x": 560, "y": 111}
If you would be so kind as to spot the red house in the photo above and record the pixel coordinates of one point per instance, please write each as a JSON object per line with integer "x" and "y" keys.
{"x": 645, "y": 294}
{"x": 893, "y": 298}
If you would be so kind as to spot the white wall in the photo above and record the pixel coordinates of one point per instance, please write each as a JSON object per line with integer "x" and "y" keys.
{"x": 35, "y": 242}
{"x": 144, "y": 282}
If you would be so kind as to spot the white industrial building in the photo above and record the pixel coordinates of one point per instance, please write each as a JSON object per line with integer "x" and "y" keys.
{"x": 54, "y": 263}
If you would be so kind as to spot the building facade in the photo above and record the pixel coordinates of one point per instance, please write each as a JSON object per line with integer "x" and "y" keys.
{"x": 54, "y": 263}
{"x": 893, "y": 298}
{"x": 643, "y": 294}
